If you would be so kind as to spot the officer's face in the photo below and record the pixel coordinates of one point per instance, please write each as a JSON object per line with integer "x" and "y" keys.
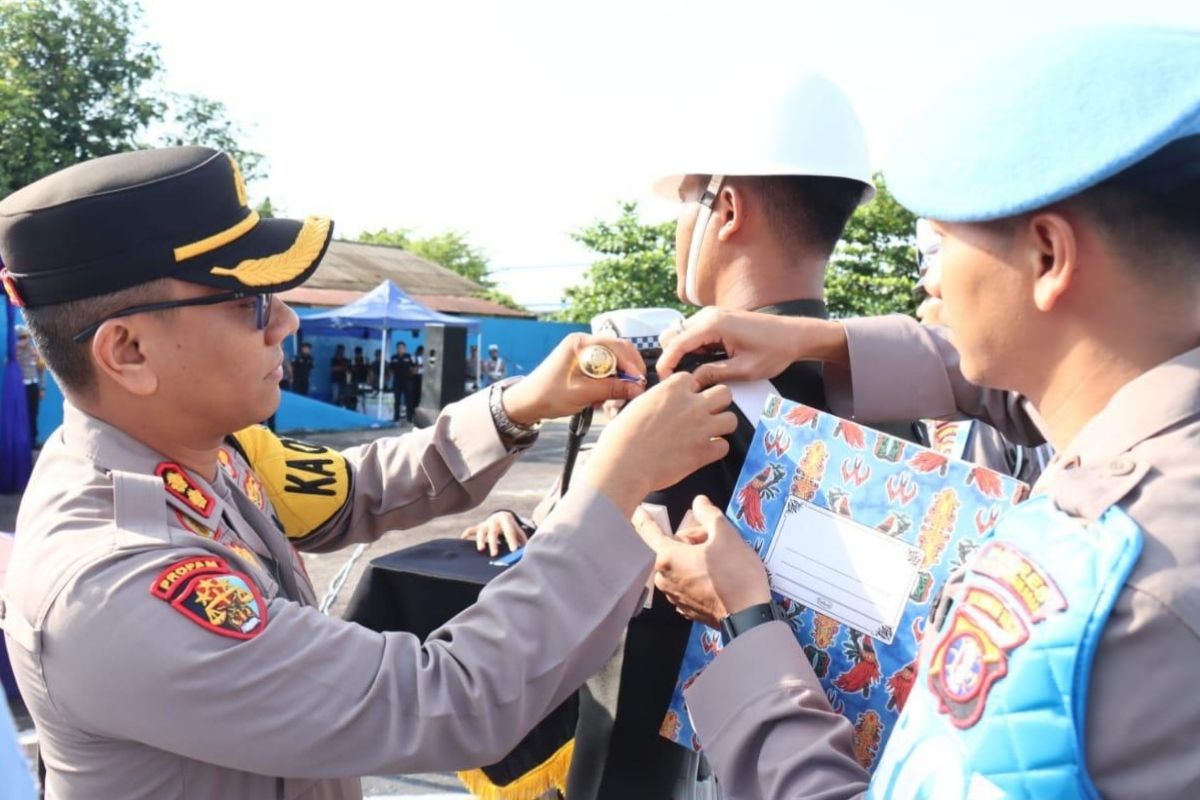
{"x": 985, "y": 302}
{"x": 215, "y": 368}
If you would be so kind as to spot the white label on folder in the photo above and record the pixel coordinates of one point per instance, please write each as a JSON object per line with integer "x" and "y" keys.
{"x": 843, "y": 569}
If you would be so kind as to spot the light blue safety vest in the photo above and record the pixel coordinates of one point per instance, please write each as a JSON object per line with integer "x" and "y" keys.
{"x": 998, "y": 706}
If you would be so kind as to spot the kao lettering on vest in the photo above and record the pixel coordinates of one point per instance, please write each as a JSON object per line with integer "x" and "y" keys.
{"x": 297, "y": 446}
{"x": 298, "y": 484}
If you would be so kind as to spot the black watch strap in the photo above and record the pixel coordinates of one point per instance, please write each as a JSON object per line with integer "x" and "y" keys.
{"x": 738, "y": 623}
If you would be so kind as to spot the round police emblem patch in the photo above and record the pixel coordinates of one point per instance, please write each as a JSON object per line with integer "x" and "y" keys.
{"x": 962, "y": 676}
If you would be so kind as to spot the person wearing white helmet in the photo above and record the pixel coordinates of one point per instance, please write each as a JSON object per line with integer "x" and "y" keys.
{"x": 764, "y": 201}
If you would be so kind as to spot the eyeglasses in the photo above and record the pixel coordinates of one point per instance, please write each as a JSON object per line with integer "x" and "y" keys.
{"x": 262, "y": 309}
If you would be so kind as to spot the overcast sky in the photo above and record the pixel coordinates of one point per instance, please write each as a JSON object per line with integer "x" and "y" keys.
{"x": 520, "y": 122}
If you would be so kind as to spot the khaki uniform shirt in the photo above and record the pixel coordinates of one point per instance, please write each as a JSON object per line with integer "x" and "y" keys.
{"x": 165, "y": 638}
{"x": 760, "y": 711}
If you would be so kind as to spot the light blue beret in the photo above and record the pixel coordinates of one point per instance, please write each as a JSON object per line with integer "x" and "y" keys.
{"x": 1046, "y": 119}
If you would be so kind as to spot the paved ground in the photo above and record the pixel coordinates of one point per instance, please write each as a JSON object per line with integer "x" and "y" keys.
{"x": 519, "y": 490}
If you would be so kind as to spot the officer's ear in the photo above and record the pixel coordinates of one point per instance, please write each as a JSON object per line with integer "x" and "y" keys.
{"x": 730, "y": 210}
{"x": 1051, "y": 252}
{"x": 117, "y": 354}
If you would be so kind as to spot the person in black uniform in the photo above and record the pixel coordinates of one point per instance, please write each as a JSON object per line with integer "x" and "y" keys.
{"x": 360, "y": 373}
{"x": 339, "y": 374}
{"x": 302, "y": 366}
{"x": 757, "y": 240}
{"x": 401, "y": 367}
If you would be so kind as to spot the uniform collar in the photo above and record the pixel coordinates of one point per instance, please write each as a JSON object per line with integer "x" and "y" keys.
{"x": 807, "y": 307}
{"x": 110, "y": 448}
{"x": 1142, "y": 408}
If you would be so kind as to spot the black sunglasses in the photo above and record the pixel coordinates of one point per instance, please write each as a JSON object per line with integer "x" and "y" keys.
{"x": 262, "y": 309}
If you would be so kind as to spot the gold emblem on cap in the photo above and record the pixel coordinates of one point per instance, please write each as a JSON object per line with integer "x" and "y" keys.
{"x": 239, "y": 183}
{"x": 597, "y": 361}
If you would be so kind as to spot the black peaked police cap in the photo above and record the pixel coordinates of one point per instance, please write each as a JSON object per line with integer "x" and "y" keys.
{"x": 130, "y": 218}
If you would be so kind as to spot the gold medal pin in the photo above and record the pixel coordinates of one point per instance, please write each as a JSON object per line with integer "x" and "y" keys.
{"x": 599, "y": 362}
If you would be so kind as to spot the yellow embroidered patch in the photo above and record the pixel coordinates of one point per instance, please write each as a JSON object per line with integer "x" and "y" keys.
{"x": 307, "y": 484}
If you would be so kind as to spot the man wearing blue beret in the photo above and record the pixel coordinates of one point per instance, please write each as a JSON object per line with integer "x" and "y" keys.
{"x": 1063, "y": 178}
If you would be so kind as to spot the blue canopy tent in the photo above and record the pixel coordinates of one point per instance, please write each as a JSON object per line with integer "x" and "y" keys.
{"x": 385, "y": 308}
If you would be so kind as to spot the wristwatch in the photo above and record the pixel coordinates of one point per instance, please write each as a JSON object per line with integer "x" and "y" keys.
{"x": 738, "y": 623}
{"x": 509, "y": 431}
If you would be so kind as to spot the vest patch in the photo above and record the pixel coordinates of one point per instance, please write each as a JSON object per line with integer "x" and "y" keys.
{"x": 986, "y": 627}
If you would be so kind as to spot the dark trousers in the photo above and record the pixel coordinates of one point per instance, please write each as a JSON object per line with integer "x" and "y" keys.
{"x": 33, "y": 394}
{"x": 414, "y": 395}
{"x": 403, "y": 400}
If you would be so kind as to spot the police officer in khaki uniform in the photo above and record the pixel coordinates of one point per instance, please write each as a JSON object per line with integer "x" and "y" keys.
{"x": 967, "y": 439}
{"x": 1063, "y": 664}
{"x": 162, "y": 628}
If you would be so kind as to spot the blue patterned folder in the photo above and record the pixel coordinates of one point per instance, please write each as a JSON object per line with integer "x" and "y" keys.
{"x": 859, "y": 531}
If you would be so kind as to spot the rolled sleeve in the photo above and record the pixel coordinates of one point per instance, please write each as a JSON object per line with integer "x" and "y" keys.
{"x": 897, "y": 371}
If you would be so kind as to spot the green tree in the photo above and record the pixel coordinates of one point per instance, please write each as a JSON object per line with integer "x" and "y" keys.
{"x": 266, "y": 209}
{"x": 450, "y": 250}
{"x": 195, "y": 119}
{"x": 637, "y": 269}
{"x": 874, "y": 267}
{"x": 72, "y": 85}
{"x": 76, "y": 82}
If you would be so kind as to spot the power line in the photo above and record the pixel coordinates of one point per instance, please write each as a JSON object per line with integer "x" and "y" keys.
{"x": 530, "y": 267}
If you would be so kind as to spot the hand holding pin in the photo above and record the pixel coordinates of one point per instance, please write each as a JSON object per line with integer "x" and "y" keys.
{"x": 597, "y": 361}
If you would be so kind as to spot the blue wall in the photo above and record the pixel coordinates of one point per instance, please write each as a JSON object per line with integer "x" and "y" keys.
{"x": 523, "y": 343}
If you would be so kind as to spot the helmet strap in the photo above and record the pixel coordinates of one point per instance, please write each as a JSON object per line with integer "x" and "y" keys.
{"x": 698, "y": 230}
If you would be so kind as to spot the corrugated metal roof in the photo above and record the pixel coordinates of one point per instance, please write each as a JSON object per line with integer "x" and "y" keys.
{"x": 362, "y": 267}
{"x": 350, "y": 269}
{"x": 306, "y": 295}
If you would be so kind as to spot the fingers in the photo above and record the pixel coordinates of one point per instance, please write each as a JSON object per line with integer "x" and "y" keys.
{"x": 629, "y": 360}
{"x": 716, "y": 372}
{"x": 514, "y": 537}
{"x": 654, "y": 536}
{"x": 707, "y": 514}
{"x": 698, "y": 333}
{"x": 717, "y": 398}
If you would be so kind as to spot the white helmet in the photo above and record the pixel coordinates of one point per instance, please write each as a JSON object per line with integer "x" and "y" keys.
{"x": 805, "y": 127}
{"x": 639, "y": 325}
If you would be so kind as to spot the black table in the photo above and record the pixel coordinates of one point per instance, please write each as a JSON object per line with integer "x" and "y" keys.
{"x": 420, "y": 588}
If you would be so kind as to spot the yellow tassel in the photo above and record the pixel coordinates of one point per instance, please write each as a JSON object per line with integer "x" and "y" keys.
{"x": 550, "y": 774}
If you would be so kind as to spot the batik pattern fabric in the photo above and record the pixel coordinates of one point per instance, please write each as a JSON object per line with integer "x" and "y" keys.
{"x": 933, "y": 508}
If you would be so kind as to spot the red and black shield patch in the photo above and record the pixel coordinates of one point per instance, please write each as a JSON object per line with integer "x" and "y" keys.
{"x": 219, "y": 599}
{"x": 181, "y": 486}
